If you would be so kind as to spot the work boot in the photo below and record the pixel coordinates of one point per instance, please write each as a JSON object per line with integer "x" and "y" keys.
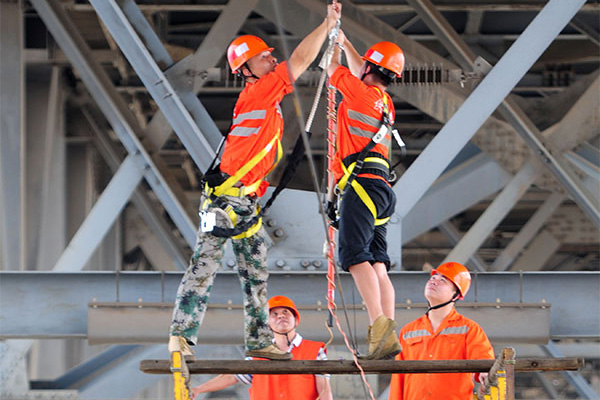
{"x": 383, "y": 342}
{"x": 390, "y": 348}
{"x": 179, "y": 343}
{"x": 271, "y": 352}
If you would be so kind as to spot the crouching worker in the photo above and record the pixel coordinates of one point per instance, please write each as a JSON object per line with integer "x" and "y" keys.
{"x": 283, "y": 320}
{"x": 441, "y": 334}
{"x": 230, "y": 197}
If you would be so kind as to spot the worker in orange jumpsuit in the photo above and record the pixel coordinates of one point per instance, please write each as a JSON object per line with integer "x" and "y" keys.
{"x": 365, "y": 118}
{"x": 230, "y": 196}
{"x": 283, "y": 320}
{"x": 441, "y": 334}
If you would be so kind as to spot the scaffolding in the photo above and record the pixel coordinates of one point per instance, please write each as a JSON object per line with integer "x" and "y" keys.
{"x": 499, "y": 384}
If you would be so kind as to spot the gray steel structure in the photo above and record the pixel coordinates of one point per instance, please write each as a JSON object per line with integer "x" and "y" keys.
{"x": 111, "y": 111}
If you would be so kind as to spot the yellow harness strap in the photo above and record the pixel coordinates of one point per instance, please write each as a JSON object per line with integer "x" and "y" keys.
{"x": 227, "y": 189}
{"x": 232, "y": 180}
{"x": 360, "y": 191}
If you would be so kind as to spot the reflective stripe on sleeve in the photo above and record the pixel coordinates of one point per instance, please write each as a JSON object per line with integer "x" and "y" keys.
{"x": 455, "y": 330}
{"x": 414, "y": 334}
{"x": 256, "y": 114}
{"x": 243, "y": 131}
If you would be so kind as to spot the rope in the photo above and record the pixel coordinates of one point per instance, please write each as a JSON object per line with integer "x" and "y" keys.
{"x": 331, "y": 267}
{"x": 330, "y": 238}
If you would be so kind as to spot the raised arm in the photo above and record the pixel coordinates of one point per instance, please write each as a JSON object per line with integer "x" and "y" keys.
{"x": 219, "y": 382}
{"x": 309, "y": 47}
{"x": 354, "y": 59}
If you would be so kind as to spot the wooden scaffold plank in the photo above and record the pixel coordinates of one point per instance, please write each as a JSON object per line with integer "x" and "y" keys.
{"x": 340, "y": 367}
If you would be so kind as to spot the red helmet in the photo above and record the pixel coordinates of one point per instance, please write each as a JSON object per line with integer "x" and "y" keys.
{"x": 458, "y": 274}
{"x": 282, "y": 301}
{"x": 244, "y": 48}
{"x": 386, "y": 55}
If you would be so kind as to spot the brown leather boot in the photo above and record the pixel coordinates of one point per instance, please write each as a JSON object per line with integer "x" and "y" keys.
{"x": 271, "y": 352}
{"x": 383, "y": 341}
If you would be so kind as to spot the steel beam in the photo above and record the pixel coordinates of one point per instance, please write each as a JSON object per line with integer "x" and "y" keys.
{"x": 454, "y": 237}
{"x": 140, "y": 199}
{"x": 122, "y": 120}
{"x": 508, "y": 107}
{"x": 557, "y": 163}
{"x": 188, "y": 75}
{"x": 56, "y": 304}
{"x": 581, "y": 385}
{"x": 538, "y": 253}
{"x": 492, "y": 90}
{"x": 455, "y": 191}
{"x": 581, "y": 123}
{"x": 494, "y": 214}
{"x": 527, "y": 232}
{"x": 12, "y": 137}
{"x": 44, "y": 154}
{"x": 119, "y": 23}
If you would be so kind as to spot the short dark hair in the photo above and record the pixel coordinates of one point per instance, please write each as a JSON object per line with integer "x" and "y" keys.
{"x": 385, "y": 76}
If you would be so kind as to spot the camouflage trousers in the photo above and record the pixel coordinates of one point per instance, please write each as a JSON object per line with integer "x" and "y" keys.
{"x": 194, "y": 290}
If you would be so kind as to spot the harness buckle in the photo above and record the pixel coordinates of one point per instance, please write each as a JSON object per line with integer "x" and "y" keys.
{"x": 208, "y": 221}
{"x": 380, "y": 133}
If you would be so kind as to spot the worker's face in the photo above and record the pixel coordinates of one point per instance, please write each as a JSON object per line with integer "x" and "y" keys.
{"x": 439, "y": 289}
{"x": 262, "y": 64}
{"x": 282, "y": 319}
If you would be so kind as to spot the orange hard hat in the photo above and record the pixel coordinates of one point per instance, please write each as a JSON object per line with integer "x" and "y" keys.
{"x": 282, "y": 301}
{"x": 244, "y": 48}
{"x": 386, "y": 55}
{"x": 458, "y": 274}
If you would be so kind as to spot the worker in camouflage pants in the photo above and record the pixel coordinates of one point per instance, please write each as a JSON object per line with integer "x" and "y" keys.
{"x": 252, "y": 149}
{"x": 194, "y": 289}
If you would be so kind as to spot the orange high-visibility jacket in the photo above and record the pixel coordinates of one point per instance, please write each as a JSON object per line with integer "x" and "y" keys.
{"x": 359, "y": 118}
{"x": 256, "y": 120}
{"x": 457, "y": 338}
{"x": 289, "y": 387}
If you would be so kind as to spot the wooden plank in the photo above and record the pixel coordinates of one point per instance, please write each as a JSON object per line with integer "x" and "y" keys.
{"x": 347, "y": 366}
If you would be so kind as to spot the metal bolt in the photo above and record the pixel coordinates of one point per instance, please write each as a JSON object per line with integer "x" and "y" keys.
{"x": 280, "y": 263}
{"x": 304, "y": 263}
{"x": 230, "y": 263}
{"x": 279, "y": 232}
{"x": 271, "y": 222}
{"x": 317, "y": 263}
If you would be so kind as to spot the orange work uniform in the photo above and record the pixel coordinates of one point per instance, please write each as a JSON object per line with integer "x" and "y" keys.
{"x": 457, "y": 338}
{"x": 286, "y": 387}
{"x": 257, "y": 120}
{"x": 360, "y": 116}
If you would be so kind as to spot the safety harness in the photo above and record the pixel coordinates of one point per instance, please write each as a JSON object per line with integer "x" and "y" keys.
{"x": 213, "y": 195}
{"x": 370, "y": 162}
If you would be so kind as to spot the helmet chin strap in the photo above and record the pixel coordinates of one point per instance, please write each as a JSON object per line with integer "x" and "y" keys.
{"x": 251, "y": 73}
{"x": 285, "y": 334}
{"x": 452, "y": 300}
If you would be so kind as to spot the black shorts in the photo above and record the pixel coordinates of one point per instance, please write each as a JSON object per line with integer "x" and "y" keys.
{"x": 360, "y": 240}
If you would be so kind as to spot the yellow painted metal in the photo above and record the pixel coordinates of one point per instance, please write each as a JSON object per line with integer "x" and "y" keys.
{"x": 501, "y": 385}
{"x": 181, "y": 376}
{"x": 494, "y": 393}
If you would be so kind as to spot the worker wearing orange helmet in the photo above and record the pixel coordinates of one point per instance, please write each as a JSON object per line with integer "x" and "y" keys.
{"x": 283, "y": 320}
{"x": 230, "y": 196}
{"x": 361, "y": 168}
{"x": 441, "y": 334}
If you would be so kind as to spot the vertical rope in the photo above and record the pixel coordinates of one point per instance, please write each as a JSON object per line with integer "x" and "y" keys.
{"x": 331, "y": 231}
